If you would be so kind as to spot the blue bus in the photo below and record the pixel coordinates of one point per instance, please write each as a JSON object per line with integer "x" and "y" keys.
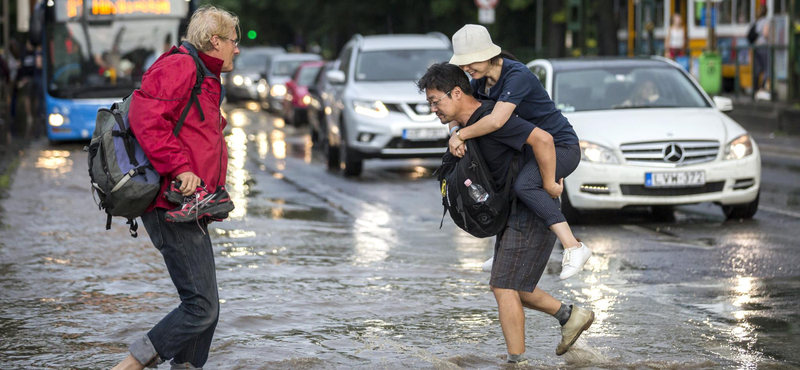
{"x": 94, "y": 52}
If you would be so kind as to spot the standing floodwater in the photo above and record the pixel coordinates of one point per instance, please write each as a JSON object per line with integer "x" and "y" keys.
{"x": 318, "y": 271}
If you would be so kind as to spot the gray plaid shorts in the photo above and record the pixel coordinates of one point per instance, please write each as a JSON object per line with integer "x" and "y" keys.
{"x": 521, "y": 251}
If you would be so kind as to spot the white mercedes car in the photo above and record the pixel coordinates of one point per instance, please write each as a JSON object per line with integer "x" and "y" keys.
{"x": 650, "y": 136}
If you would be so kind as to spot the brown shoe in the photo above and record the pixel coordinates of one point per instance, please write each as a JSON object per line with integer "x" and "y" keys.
{"x": 579, "y": 320}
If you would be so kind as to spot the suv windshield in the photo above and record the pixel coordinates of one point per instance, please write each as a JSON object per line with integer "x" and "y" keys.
{"x": 625, "y": 88}
{"x": 88, "y": 60}
{"x": 397, "y": 65}
{"x": 286, "y": 67}
{"x": 307, "y": 75}
{"x": 251, "y": 60}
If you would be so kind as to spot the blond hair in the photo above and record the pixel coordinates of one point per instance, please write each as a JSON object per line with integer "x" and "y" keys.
{"x": 208, "y": 21}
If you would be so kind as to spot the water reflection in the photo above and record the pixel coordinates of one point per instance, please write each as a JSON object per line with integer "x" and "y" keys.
{"x": 237, "y": 175}
{"x": 373, "y": 236}
{"x": 56, "y": 160}
{"x": 471, "y": 251}
{"x": 262, "y": 144}
{"x": 743, "y": 331}
{"x": 277, "y": 138}
{"x": 238, "y": 119}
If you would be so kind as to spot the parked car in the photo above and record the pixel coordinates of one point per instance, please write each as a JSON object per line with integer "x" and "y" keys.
{"x": 248, "y": 81}
{"x": 650, "y": 136}
{"x": 297, "y": 99}
{"x": 280, "y": 69}
{"x": 377, "y": 110}
{"x": 320, "y": 105}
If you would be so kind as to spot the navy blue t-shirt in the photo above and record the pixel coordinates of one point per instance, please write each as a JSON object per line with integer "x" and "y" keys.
{"x": 498, "y": 148}
{"x": 518, "y": 85}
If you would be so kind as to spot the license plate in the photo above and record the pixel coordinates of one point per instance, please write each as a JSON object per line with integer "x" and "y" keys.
{"x": 419, "y": 134}
{"x": 674, "y": 179}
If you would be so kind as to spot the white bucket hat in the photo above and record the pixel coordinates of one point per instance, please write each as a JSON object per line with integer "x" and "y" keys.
{"x": 472, "y": 43}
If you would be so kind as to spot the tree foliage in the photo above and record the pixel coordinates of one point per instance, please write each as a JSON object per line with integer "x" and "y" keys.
{"x": 330, "y": 23}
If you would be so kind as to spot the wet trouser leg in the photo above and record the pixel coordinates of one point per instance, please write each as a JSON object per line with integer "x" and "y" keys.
{"x": 185, "y": 333}
{"x": 529, "y": 185}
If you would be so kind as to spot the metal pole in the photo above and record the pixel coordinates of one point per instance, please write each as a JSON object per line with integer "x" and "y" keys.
{"x": 539, "y": 24}
{"x": 736, "y": 86}
{"x": 631, "y": 32}
{"x": 6, "y": 26}
{"x": 639, "y": 27}
{"x": 772, "y": 95}
{"x": 794, "y": 67}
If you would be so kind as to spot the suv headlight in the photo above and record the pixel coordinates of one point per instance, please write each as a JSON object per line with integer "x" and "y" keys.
{"x": 277, "y": 90}
{"x": 238, "y": 80}
{"x": 739, "y": 148}
{"x": 374, "y": 109}
{"x": 591, "y": 152}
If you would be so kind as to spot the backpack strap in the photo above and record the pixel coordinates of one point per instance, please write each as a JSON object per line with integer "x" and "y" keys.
{"x": 196, "y": 90}
{"x": 511, "y": 176}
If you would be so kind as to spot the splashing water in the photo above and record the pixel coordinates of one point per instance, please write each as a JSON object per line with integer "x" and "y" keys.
{"x": 582, "y": 354}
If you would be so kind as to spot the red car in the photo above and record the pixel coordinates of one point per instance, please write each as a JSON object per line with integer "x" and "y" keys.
{"x": 297, "y": 99}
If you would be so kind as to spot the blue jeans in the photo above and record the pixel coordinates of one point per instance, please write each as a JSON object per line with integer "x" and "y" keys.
{"x": 184, "y": 335}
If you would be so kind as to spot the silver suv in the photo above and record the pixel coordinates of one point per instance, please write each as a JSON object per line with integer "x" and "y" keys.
{"x": 376, "y": 110}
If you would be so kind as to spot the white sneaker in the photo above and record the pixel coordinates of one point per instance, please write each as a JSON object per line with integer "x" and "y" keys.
{"x": 763, "y": 95}
{"x": 487, "y": 266}
{"x": 574, "y": 259}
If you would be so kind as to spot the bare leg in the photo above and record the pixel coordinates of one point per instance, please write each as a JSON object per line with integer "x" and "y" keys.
{"x": 564, "y": 234}
{"x": 541, "y": 301}
{"x": 129, "y": 363}
{"x": 512, "y": 319}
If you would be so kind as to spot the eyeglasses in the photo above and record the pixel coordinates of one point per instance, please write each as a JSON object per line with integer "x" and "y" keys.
{"x": 435, "y": 104}
{"x": 234, "y": 41}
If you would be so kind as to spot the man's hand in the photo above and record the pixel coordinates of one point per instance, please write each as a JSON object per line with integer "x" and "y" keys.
{"x": 189, "y": 183}
{"x": 555, "y": 189}
{"x": 457, "y": 147}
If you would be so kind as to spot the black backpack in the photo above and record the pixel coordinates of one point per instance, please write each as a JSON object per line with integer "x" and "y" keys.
{"x": 752, "y": 34}
{"x": 479, "y": 219}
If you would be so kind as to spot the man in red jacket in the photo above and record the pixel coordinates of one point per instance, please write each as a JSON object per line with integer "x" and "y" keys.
{"x": 198, "y": 154}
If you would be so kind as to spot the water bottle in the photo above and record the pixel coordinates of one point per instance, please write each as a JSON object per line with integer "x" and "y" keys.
{"x": 476, "y": 191}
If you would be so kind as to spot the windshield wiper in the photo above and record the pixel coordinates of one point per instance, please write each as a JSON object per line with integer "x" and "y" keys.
{"x": 650, "y": 107}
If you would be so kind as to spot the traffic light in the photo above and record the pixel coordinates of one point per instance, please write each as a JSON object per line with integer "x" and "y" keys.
{"x": 251, "y": 35}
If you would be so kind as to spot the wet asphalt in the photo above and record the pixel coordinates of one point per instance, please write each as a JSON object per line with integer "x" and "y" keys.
{"x": 320, "y": 271}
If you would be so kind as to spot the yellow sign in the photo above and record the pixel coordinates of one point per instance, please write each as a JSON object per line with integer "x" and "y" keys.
{"x": 74, "y": 8}
{"x": 106, "y": 7}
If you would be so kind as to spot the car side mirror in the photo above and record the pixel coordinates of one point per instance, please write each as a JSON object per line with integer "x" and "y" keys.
{"x": 336, "y": 77}
{"x": 723, "y": 104}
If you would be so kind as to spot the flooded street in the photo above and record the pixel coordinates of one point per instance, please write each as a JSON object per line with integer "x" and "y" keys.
{"x": 319, "y": 271}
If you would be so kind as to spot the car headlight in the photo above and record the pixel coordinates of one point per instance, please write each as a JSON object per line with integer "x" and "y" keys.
{"x": 55, "y": 119}
{"x": 591, "y": 152}
{"x": 306, "y": 100}
{"x": 262, "y": 86}
{"x": 373, "y": 108}
{"x": 238, "y": 80}
{"x": 739, "y": 148}
{"x": 277, "y": 90}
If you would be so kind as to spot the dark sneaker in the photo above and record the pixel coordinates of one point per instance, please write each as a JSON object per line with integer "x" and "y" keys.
{"x": 215, "y": 206}
{"x": 173, "y": 193}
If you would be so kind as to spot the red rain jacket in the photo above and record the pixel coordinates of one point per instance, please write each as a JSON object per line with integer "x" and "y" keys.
{"x": 155, "y": 109}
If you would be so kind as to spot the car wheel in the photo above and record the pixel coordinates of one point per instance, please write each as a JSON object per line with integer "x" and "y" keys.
{"x": 352, "y": 164}
{"x": 663, "y": 213}
{"x": 742, "y": 211}
{"x": 331, "y": 152}
{"x": 570, "y": 213}
{"x": 288, "y": 116}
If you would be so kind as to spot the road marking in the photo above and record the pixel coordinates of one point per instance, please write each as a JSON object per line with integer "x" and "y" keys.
{"x": 780, "y": 211}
